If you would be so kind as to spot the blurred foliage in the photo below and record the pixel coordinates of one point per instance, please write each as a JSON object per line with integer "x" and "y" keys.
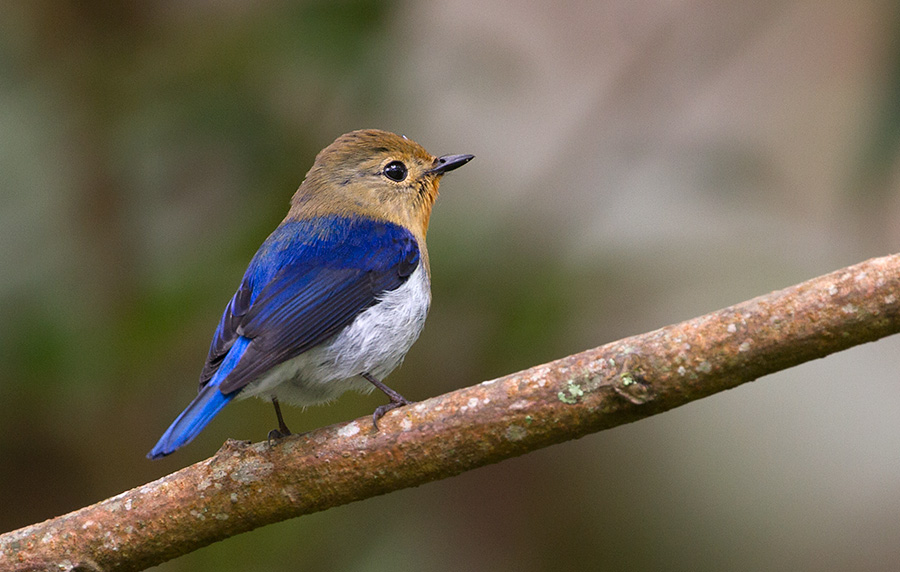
{"x": 637, "y": 164}
{"x": 156, "y": 126}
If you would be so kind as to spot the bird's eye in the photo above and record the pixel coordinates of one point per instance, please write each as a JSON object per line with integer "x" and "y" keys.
{"x": 395, "y": 171}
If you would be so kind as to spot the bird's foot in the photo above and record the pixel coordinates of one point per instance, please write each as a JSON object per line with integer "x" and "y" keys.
{"x": 397, "y": 400}
{"x": 282, "y": 431}
{"x": 276, "y": 435}
{"x": 382, "y": 409}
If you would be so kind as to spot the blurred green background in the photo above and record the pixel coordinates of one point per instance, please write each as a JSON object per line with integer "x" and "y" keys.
{"x": 638, "y": 163}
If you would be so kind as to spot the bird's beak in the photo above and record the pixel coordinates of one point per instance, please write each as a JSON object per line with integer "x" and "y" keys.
{"x": 448, "y": 163}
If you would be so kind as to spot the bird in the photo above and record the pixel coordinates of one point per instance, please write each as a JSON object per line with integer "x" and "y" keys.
{"x": 336, "y": 295}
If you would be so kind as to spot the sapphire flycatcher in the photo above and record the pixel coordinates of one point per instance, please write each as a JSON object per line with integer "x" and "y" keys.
{"x": 335, "y": 297}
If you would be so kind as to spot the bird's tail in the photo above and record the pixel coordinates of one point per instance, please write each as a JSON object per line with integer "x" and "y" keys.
{"x": 202, "y": 409}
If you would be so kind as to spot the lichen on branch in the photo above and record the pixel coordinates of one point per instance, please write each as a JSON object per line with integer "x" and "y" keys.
{"x": 245, "y": 486}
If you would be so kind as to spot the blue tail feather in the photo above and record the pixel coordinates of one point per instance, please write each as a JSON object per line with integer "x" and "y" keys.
{"x": 202, "y": 409}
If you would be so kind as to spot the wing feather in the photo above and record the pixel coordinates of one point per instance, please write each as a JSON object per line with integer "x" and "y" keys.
{"x": 309, "y": 280}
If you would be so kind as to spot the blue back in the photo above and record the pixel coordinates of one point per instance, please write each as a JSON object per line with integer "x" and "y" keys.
{"x": 308, "y": 280}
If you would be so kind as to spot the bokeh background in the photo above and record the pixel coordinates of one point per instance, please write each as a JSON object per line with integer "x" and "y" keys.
{"x": 638, "y": 163}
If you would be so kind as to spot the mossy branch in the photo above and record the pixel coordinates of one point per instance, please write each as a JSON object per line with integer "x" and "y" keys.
{"x": 246, "y": 486}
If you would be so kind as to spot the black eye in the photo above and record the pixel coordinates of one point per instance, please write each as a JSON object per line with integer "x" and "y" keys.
{"x": 395, "y": 171}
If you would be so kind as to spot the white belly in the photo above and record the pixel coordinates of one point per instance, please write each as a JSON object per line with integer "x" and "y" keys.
{"x": 375, "y": 343}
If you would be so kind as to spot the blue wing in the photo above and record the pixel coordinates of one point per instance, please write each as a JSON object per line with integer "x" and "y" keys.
{"x": 308, "y": 280}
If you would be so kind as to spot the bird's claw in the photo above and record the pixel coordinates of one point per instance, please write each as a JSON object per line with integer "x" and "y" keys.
{"x": 275, "y": 435}
{"x": 382, "y": 409}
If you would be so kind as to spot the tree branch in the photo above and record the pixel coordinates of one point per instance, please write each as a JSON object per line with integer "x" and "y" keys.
{"x": 246, "y": 486}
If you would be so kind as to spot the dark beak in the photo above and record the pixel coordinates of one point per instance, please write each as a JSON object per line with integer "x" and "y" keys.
{"x": 448, "y": 163}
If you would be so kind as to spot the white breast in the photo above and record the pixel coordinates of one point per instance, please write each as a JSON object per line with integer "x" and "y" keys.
{"x": 375, "y": 343}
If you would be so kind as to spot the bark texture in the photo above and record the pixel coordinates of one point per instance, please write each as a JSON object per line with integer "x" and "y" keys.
{"x": 245, "y": 486}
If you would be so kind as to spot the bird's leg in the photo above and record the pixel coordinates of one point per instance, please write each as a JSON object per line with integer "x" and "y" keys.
{"x": 396, "y": 399}
{"x": 282, "y": 430}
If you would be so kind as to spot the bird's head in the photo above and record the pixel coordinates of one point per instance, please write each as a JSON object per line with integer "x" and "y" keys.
{"x": 376, "y": 174}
